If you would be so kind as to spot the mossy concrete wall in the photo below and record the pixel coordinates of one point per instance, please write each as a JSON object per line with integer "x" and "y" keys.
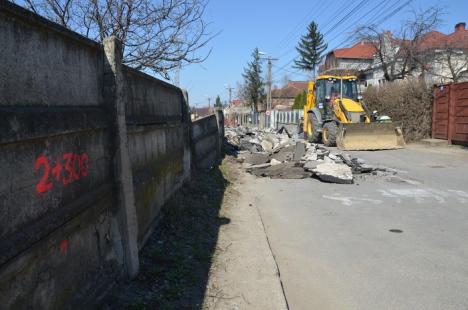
{"x": 62, "y": 243}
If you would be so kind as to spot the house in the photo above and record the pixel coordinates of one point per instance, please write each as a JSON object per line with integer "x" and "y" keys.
{"x": 283, "y": 98}
{"x": 352, "y": 60}
{"x": 200, "y": 112}
{"x": 442, "y": 58}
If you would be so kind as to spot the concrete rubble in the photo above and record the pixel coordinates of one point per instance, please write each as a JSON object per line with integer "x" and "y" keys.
{"x": 268, "y": 153}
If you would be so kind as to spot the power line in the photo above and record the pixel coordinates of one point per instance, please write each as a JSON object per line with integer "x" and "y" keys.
{"x": 367, "y": 13}
{"x": 394, "y": 11}
{"x": 382, "y": 20}
{"x": 368, "y": 22}
{"x": 301, "y": 22}
{"x": 346, "y": 16}
{"x": 339, "y": 11}
{"x": 334, "y": 27}
{"x": 374, "y": 17}
{"x": 291, "y": 72}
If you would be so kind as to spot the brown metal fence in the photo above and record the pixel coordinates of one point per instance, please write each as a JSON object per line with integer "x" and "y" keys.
{"x": 450, "y": 112}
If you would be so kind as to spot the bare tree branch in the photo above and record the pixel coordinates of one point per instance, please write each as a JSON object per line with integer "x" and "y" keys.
{"x": 157, "y": 35}
{"x": 401, "y": 55}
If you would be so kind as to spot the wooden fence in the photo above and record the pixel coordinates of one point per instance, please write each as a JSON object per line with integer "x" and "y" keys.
{"x": 450, "y": 112}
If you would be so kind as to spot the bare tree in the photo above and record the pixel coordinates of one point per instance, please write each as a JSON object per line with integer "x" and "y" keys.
{"x": 399, "y": 56}
{"x": 157, "y": 35}
{"x": 415, "y": 47}
{"x": 450, "y": 61}
{"x": 242, "y": 93}
{"x": 58, "y": 11}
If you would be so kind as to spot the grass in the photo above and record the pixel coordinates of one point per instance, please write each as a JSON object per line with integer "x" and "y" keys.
{"x": 175, "y": 262}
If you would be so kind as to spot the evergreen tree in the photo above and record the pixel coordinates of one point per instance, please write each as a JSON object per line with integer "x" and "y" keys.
{"x": 310, "y": 48}
{"x": 218, "y": 103}
{"x": 300, "y": 101}
{"x": 253, "y": 81}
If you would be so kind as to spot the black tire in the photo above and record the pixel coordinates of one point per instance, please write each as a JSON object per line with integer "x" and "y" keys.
{"x": 316, "y": 134}
{"x": 330, "y": 131}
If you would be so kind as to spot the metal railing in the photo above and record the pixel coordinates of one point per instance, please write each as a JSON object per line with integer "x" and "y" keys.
{"x": 273, "y": 119}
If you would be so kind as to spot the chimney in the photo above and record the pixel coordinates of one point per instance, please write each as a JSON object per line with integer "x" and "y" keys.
{"x": 460, "y": 27}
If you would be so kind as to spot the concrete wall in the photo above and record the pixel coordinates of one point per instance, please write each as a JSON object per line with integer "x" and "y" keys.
{"x": 206, "y": 142}
{"x": 158, "y": 130}
{"x": 72, "y": 212}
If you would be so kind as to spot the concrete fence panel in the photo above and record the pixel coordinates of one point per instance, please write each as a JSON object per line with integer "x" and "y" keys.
{"x": 206, "y": 141}
{"x": 59, "y": 232}
{"x": 90, "y": 150}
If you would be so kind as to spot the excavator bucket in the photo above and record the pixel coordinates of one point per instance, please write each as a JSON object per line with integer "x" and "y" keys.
{"x": 370, "y": 136}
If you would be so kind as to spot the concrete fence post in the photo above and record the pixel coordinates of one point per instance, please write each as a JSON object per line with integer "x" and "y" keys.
{"x": 187, "y": 147}
{"x": 114, "y": 94}
{"x": 220, "y": 121}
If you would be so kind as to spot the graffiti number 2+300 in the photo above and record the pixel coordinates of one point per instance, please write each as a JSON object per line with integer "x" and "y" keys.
{"x": 74, "y": 167}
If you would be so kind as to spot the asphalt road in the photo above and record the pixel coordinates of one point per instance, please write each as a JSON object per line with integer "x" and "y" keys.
{"x": 333, "y": 243}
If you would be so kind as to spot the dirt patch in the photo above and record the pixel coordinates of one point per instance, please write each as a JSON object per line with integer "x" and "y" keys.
{"x": 176, "y": 261}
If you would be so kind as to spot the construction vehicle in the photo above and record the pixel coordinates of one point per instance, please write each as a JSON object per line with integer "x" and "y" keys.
{"x": 336, "y": 115}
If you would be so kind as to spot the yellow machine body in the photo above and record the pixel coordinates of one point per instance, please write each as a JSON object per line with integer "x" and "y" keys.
{"x": 335, "y": 114}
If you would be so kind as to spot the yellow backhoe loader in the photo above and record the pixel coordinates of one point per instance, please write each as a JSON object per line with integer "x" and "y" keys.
{"x": 336, "y": 115}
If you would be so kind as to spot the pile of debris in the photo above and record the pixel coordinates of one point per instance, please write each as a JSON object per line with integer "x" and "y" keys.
{"x": 267, "y": 153}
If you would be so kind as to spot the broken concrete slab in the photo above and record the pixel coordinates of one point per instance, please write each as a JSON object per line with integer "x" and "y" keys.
{"x": 328, "y": 160}
{"x": 278, "y": 149}
{"x": 259, "y": 167}
{"x": 311, "y": 164}
{"x": 283, "y": 171}
{"x": 364, "y": 168}
{"x": 322, "y": 152}
{"x": 267, "y": 145}
{"x": 309, "y": 156}
{"x": 299, "y": 151}
{"x": 256, "y": 158}
{"x": 274, "y": 162}
{"x": 284, "y": 154}
{"x": 334, "y": 173}
{"x": 347, "y": 159}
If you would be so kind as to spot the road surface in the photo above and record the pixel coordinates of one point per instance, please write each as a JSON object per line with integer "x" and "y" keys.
{"x": 334, "y": 246}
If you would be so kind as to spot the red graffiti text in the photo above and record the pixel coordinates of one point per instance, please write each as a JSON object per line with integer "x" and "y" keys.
{"x": 67, "y": 169}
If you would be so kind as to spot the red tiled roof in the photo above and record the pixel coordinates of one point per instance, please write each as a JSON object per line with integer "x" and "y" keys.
{"x": 203, "y": 111}
{"x": 360, "y": 50}
{"x": 291, "y": 90}
{"x": 436, "y": 39}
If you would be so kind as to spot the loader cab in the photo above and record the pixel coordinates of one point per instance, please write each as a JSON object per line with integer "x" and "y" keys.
{"x": 350, "y": 89}
{"x": 324, "y": 92}
{"x": 330, "y": 89}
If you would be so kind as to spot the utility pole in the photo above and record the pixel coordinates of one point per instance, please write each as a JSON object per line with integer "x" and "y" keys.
{"x": 230, "y": 89}
{"x": 270, "y": 81}
{"x": 269, "y": 78}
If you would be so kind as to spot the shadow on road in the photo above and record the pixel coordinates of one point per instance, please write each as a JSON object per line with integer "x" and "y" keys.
{"x": 175, "y": 262}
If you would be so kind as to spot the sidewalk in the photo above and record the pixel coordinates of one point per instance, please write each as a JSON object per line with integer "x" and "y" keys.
{"x": 244, "y": 274}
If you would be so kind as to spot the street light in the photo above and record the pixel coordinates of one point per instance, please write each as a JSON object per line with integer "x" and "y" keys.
{"x": 269, "y": 78}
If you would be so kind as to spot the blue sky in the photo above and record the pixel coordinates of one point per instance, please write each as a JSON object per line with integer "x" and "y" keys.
{"x": 275, "y": 27}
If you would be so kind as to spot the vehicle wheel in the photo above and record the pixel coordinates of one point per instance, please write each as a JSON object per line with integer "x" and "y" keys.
{"x": 329, "y": 133}
{"x": 313, "y": 129}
